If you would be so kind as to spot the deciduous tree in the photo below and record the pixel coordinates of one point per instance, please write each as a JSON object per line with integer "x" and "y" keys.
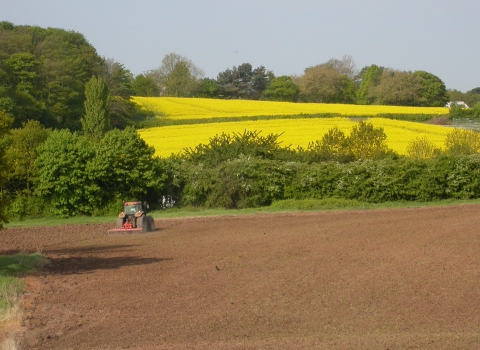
{"x": 97, "y": 104}
{"x": 282, "y": 89}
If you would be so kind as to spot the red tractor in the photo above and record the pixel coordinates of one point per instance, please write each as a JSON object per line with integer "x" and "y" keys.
{"x": 133, "y": 219}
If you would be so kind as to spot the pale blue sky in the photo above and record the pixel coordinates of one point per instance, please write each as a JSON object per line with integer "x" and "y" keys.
{"x": 438, "y": 36}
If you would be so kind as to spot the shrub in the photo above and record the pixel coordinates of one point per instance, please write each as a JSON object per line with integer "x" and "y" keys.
{"x": 462, "y": 142}
{"x": 421, "y": 148}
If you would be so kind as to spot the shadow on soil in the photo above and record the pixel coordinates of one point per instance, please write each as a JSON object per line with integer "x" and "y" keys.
{"x": 74, "y": 265}
{"x": 86, "y": 259}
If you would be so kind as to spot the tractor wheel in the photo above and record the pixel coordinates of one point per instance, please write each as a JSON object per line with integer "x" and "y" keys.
{"x": 141, "y": 223}
{"x": 120, "y": 222}
{"x": 151, "y": 223}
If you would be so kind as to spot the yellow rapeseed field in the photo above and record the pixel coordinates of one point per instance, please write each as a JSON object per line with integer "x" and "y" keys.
{"x": 203, "y": 108}
{"x": 296, "y": 132}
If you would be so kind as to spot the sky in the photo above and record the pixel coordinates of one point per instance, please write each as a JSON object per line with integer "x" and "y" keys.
{"x": 437, "y": 36}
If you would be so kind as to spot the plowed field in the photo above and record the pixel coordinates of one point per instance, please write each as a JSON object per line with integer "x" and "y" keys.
{"x": 380, "y": 279}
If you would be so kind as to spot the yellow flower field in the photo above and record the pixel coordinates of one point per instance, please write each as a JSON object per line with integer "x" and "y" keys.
{"x": 296, "y": 132}
{"x": 203, "y": 108}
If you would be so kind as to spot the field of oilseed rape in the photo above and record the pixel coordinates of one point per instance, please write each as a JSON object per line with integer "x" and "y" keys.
{"x": 178, "y": 108}
{"x": 296, "y": 132}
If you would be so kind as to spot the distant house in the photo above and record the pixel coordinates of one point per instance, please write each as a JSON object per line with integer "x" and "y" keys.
{"x": 456, "y": 103}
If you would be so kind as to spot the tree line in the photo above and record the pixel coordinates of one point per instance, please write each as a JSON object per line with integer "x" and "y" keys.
{"x": 68, "y": 144}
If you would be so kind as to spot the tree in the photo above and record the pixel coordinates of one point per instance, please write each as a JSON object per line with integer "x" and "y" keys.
{"x": 244, "y": 82}
{"x": 334, "y": 146}
{"x": 282, "y": 89}
{"x": 22, "y": 152}
{"x": 118, "y": 78}
{"x": 462, "y": 142}
{"x": 125, "y": 166}
{"x": 207, "y": 88}
{"x": 96, "y": 121}
{"x": 346, "y": 66}
{"x": 369, "y": 79}
{"x": 5, "y": 123}
{"x": 176, "y": 76}
{"x": 397, "y": 88}
{"x": 62, "y": 177}
{"x": 43, "y": 74}
{"x": 324, "y": 84}
{"x": 421, "y": 148}
{"x": 433, "y": 91}
{"x": 367, "y": 142}
{"x": 144, "y": 85}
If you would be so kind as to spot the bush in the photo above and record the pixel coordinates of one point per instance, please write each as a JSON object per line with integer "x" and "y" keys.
{"x": 422, "y": 148}
{"x": 462, "y": 142}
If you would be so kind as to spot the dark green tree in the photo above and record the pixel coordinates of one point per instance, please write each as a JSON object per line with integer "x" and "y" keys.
{"x": 5, "y": 123}
{"x": 96, "y": 121}
{"x": 243, "y": 82}
{"x": 324, "y": 84}
{"x": 125, "y": 166}
{"x": 397, "y": 88}
{"x": 367, "y": 142}
{"x": 282, "y": 89}
{"x": 62, "y": 177}
{"x": 370, "y": 78}
{"x": 144, "y": 85}
{"x": 22, "y": 152}
{"x": 207, "y": 88}
{"x": 433, "y": 92}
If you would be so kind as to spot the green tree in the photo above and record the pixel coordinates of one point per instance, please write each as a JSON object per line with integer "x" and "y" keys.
{"x": 96, "y": 121}
{"x": 43, "y": 74}
{"x": 433, "y": 91}
{"x": 421, "y": 149}
{"x": 207, "y": 88}
{"x": 144, "y": 85}
{"x": 367, "y": 142}
{"x": 370, "y": 78}
{"x": 244, "y": 82}
{"x": 125, "y": 166}
{"x": 177, "y": 76}
{"x": 334, "y": 146}
{"x": 22, "y": 152}
{"x": 62, "y": 177}
{"x": 5, "y": 123}
{"x": 462, "y": 142}
{"x": 397, "y": 88}
{"x": 282, "y": 89}
{"x": 324, "y": 84}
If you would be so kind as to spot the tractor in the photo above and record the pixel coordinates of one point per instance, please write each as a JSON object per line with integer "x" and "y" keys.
{"x": 133, "y": 219}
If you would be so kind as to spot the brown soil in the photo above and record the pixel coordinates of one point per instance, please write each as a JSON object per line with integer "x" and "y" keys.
{"x": 384, "y": 279}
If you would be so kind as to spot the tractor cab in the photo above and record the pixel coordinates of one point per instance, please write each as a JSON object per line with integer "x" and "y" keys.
{"x": 130, "y": 208}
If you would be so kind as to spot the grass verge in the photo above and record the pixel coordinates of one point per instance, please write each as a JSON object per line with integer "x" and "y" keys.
{"x": 11, "y": 287}
{"x": 12, "y": 267}
{"x": 289, "y": 205}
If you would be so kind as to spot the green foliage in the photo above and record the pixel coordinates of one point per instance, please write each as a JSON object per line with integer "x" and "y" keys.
{"x": 282, "y": 89}
{"x": 22, "y": 152}
{"x": 144, "y": 85}
{"x": 63, "y": 179}
{"x": 239, "y": 183}
{"x": 421, "y": 149}
{"x": 397, "y": 88}
{"x": 367, "y": 142}
{"x": 96, "y": 121}
{"x": 433, "y": 92}
{"x": 76, "y": 176}
{"x": 462, "y": 142}
{"x": 324, "y": 84}
{"x": 5, "y": 123}
{"x": 207, "y": 88}
{"x": 243, "y": 82}
{"x": 370, "y": 78}
{"x": 334, "y": 145}
{"x": 124, "y": 166}
{"x": 43, "y": 74}
{"x": 227, "y": 147}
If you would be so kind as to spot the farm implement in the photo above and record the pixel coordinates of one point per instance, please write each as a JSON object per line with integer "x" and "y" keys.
{"x": 133, "y": 219}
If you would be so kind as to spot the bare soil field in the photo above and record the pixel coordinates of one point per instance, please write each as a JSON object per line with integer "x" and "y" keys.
{"x": 380, "y": 279}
